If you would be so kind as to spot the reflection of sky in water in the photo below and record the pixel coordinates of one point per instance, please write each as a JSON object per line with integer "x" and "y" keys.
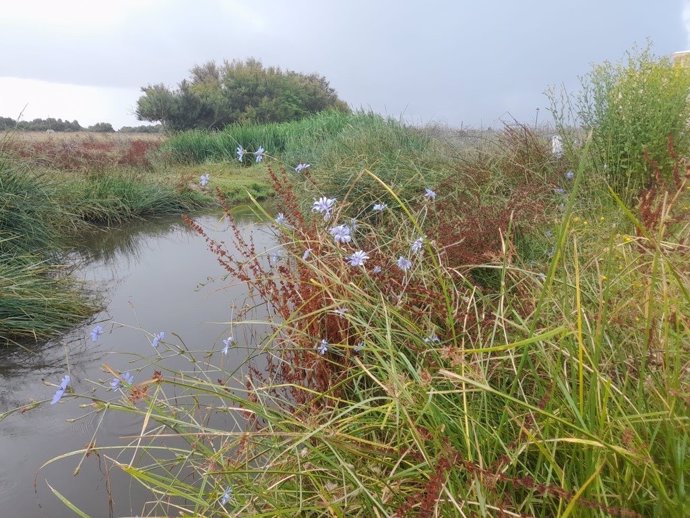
{"x": 154, "y": 276}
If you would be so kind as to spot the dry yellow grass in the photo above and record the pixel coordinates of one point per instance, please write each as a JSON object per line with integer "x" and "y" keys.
{"x": 80, "y": 150}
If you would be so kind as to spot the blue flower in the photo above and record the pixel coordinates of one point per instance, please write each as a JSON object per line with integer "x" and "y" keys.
{"x": 569, "y": 175}
{"x": 432, "y": 339}
{"x": 379, "y": 207}
{"x": 117, "y": 382}
{"x": 259, "y": 154}
{"x": 417, "y": 244}
{"x": 281, "y": 219}
{"x": 429, "y": 194}
{"x": 376, "y": 269}
{"x": 228, "y": 342}
{"x": 227, "y": 495}
{"x": 203, "y": 179}
{"x": 302, "y": 167}
{"x": 322, "y": 347}
{"x": 341, "y": 234}
{"x": 404, "y": 263}
{"x": 96, "y": 332}
{"x": 324, "y": 206}
{"x": 156, "y": 339}
{"x": 358, "y": 258}
{"x": 306, "y": 254}
{"x": 359, "y": 347}
{"x": 61, "y": 389}
{"x": 240, "y": 153}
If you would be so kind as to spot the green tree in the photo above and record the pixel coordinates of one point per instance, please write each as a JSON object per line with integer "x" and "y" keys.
{"x": 101, "y": 127}
{"x": 238, "y": 91}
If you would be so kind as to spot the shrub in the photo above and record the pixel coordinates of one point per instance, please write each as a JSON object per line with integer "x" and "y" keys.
{"x": 238, "y": 91}
{"x": 634, "y": 109}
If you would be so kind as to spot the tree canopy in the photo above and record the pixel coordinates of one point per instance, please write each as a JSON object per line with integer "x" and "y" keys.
{"x": 238, "y": 91}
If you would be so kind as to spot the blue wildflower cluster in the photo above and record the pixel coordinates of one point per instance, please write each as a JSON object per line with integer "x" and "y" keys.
{"x": 226, "y": 496}
{"x": 259, "y": 154}
{"x": 116, "y": 383}
{"x": 157, "y": 338}
{"x": 61, "y": 389}
{"x": 344, "y": 234}
{"x": 96, "y": 333}
{"x": 301, "y": 167}
{"x": 322, "y": 347}
{"x": 227, "y": 343}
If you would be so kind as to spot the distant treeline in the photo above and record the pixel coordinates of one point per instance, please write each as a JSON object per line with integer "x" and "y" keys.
{"x": 59, "y": 125}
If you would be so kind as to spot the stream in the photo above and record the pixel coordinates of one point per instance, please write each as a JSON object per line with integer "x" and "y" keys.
{"x": 153, "y": 276}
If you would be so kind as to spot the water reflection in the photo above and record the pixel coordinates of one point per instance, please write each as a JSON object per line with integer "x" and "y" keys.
{"x": 154, "y": 276}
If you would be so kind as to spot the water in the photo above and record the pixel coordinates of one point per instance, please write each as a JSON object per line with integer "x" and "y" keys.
{"x": 156, "y": 276}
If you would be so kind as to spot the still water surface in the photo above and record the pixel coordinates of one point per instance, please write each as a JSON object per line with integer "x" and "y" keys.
{"x": 154, "y": 276}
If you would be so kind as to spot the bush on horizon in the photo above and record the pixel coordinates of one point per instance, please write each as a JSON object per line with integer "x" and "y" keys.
{"x": 638, "y": 113}
{"x": 239, "y": 91}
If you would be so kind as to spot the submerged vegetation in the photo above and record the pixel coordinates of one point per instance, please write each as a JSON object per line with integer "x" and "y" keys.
{"x": 487, "y": 330}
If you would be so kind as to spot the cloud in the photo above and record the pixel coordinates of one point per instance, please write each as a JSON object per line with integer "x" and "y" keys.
{"x": 459, "y": 61}
{"x": 31, "y": 99}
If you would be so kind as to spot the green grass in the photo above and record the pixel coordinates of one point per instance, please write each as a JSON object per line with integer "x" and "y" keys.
{"x": 557, "y": 392}
{"x": 237, "y": 183}
{"x": 28, "y": 212}
{"x": 38, "y": 300}
{"x": 337, "y": 146}
{"x": 532, "y": 362}
{"x": 197, "y": 147}
{"x": 113, "y": 198}
{"x": 40, "y": 212}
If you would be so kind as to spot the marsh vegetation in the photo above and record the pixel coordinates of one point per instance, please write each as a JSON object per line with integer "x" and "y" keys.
{"x": 456, "y": 326}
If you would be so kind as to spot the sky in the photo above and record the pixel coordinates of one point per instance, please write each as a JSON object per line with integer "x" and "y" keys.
{"x": 461, "y": 63}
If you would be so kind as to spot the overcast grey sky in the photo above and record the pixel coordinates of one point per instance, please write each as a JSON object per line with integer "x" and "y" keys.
{"x": 458, "y": 62}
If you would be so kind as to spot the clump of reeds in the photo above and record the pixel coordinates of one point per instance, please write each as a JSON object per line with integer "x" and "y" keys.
{"x": 37, "y": 300}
